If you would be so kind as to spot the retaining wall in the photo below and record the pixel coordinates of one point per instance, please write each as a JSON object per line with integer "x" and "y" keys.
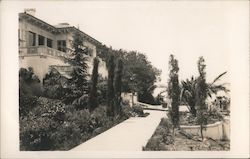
{"x": 217, "y": 131}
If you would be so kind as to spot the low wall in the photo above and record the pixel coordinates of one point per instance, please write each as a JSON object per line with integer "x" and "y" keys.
{"x": 217, "y": 131}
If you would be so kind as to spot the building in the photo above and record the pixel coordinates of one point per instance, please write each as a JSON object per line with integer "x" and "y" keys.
{"x": 42, "y": 46}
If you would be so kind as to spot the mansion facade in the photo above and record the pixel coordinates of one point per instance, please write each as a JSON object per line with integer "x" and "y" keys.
{"x": 43, "y": 46}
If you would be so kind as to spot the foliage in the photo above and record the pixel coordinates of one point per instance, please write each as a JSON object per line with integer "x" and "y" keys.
{"x": 174, "y": 90}
{"x": 111, "y": 91}
{"x": 92, "y": 101}
{"x": 29, "y": 89}
{"x": 36, "y": 128}
{"x": 52, "y": 125}
{"x": 138, "y": 110}
{"x": 29, "y": 84}
{"x": 201, "y": 95}
{"x": 26, "y": 104}
{"x": 118, "y": 87}
{"x": 159, "y": 99}
{"x": 102, "y": 89}
{"x": 222, "y": 102}
{"x": 215, "y": 113}
{"x": 55, "y": 85}
{"x": 81, "y": 102}
{"x": 134, "y": 111}
{"x": 139, "y": 75}
{"x": 79, "y": 74}
{"x": 188, "y": 93}
{"x": 127, "y": 111}
{"x": 161, "y": 137}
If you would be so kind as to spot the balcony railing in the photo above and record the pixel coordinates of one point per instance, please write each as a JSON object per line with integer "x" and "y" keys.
{"x": 41, "y": 50}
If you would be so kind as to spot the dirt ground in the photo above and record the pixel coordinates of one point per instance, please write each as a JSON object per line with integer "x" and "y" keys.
{"x": 183, "y": 143}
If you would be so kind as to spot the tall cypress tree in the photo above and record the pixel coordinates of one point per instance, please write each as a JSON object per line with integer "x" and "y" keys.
{"x": 92, "y": 102}
{"x": 118, "y": 86}
{"x": 111, "y": 92}
{"x": 174, "y": 90}
{"x": 201, "y": 95}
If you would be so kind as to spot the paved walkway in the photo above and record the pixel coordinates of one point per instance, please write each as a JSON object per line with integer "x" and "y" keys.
{"x": 129, "y": 135}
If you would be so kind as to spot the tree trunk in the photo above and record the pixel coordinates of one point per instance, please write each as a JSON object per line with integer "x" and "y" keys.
{"x": 201, "y": 131}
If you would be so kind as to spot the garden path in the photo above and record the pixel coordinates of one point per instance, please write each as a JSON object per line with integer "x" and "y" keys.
{"x": 129, "y": 135}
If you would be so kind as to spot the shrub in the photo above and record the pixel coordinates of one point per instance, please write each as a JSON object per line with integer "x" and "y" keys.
{"x": 26, "y": 104}
{"x": 161, "y": 137}
{"x": 153, "y": 144}
{"x": 35, "y": 133}
{"x": 29, "y": 89}
{"x": 52, "y": 125}
{"x": 138, "y": 110}
{"x": 81, "y": 103}
{"x": 126, "y": 111}
{"x": 29, "y": 84}
{"x": 66, "y": 136}
{"x": 215, "y": 113}
{"x": 80, "y": 118}
{"x": 41, "y": 122}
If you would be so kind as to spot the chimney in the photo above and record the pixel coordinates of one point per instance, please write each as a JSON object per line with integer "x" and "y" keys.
{"x": 30, "y": 11}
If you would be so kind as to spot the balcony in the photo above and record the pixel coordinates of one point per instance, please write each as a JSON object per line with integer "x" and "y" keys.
{"x": 41, "y": 51}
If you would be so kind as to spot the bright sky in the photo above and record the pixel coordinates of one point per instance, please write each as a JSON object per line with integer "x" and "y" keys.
{"x": 186, "y": 29}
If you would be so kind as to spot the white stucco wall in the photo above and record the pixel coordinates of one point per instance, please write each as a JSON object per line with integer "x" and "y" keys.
{"x": 128, "y": 97}
{"x": 40, "y": 64}
{"x": 25, "y": 27}
{"x": 217, "y": 131}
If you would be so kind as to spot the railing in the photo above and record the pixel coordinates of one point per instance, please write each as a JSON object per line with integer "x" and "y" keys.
{"x": 41, "y": 50}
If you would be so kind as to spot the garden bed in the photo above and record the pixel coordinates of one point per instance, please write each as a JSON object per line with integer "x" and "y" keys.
{"x": 52, "y": 125}
{"x": 186, "y": 118}
{"x": 163, "y": 140}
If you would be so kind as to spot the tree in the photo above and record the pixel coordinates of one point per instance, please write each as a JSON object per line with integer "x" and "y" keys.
{"x": 174, "y": 90}
{"x": 78, "y": 60}
{"x": 93, "y": 101}
{"x": 118, "y": 86}
{"x": 111, "y": 92}
{"x": 139, "y": 74}
{"x": 188, "y": 92}
{"x": 201, "y": 95}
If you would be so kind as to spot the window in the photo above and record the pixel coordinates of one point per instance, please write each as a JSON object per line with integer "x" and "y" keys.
{"x": 49, "y": 42}
{"x": 32, "y": 39}
{"x": 41, "y": 40}
{"x": 61, "y": 45}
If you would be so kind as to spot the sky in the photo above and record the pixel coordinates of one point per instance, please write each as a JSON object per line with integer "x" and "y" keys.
{"x": 186, "y": 29}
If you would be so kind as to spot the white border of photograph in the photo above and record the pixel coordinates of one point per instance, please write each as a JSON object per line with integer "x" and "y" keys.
{"x": 238, "y": 52}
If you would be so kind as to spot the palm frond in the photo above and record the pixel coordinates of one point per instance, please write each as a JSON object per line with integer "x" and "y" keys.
{"x": 217, "y": 78}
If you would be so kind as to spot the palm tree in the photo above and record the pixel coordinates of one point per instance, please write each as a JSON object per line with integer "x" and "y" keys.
{"x": 188, "y": 94}
{"x": 189, "y": 88}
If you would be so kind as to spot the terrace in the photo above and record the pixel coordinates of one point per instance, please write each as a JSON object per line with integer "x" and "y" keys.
{"x": 41, "y": 51}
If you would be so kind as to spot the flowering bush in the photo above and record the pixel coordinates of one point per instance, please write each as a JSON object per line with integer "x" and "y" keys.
{"x": 52, "y": 125}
